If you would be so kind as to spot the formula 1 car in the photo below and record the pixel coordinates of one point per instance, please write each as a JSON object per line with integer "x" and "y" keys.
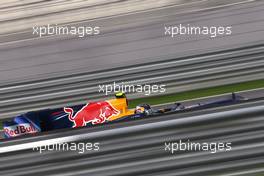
{"x": 94, "y": 113}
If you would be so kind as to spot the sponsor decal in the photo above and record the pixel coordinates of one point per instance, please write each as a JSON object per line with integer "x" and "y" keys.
{"x": 17, "y": 130}
{"x": 95, "y": 113}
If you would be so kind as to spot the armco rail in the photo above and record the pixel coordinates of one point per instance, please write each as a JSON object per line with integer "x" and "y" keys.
{"x": 138, "y": 147}
{"x": 181, "y": 74}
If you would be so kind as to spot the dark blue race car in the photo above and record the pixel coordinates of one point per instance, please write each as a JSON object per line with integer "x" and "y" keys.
{"x": 93, "y": 113}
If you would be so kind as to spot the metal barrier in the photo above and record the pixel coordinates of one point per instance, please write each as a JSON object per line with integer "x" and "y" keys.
{"x": 138, "y": 147}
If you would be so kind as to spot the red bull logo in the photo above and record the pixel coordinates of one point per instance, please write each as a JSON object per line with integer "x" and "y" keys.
{"x": 95, "y": 113}
{"x": 17, "y": 130}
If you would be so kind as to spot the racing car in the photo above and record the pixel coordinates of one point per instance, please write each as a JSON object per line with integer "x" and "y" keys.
{"x": 93, "y": 113}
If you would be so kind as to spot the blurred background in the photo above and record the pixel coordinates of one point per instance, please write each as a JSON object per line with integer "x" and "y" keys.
{"x": 58, "y": 70}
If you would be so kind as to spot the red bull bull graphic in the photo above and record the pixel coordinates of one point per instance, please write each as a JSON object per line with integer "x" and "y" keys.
{"x": 94, "y": 112}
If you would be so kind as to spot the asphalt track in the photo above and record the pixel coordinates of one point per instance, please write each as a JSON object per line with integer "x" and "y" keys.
{"x": 137, "y": 147}
{"x": 128, "y": 39}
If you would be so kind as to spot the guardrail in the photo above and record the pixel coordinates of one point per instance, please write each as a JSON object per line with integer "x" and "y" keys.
{"x": 181, "y": 74}
{"x": 138, "y": 147}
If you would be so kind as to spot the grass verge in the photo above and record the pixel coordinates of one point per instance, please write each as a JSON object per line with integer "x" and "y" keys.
{"x": 199, "y": 93}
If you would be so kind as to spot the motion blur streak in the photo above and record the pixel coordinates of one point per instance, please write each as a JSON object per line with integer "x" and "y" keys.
{"x": 134, "y": 39}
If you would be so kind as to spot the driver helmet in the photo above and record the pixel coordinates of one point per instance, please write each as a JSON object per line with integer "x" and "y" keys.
{"x": 139, "y": 110}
